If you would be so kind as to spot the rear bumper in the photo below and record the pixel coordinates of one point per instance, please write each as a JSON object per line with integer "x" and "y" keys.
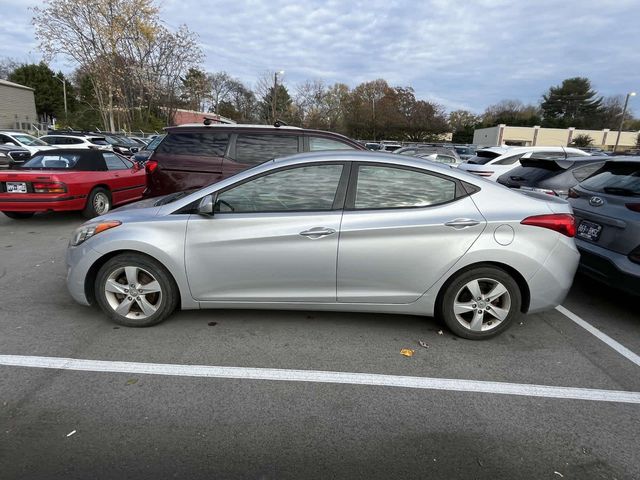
{"x": 35, "y": 203}
{"x": 609, "y": 267}
{"x": 552, "y": 282}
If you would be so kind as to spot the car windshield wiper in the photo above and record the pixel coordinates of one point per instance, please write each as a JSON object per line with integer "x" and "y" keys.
{"x": 621, "y": 191}
{"x": 173, "y": 197}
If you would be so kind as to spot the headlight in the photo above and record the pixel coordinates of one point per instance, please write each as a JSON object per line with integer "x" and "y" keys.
{"x": 88, "y": 231}
{"x": 3, "y": 155}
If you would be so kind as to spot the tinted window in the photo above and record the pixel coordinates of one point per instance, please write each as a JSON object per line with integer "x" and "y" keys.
{"x": 445, "y": 159}
{"x": 114, "y": 162}
{"x": 74, "y": 141}
{"x": 303, "y": 188}
{"x": 98, "y": 141}
{"x": 509, "y": 160}
{"x": 583, "y": 173}
{"x": 206, "y": 144}
{"x": 616, "y": 178}
{"x": 483, "y": 156}
{"x": 254, "y": 149}
{"x": 50, "y": 140}
{"x": 389, "y": 187}
{"x": 320, "y": 143}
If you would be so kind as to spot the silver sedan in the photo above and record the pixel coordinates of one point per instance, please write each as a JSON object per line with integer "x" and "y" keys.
{"x": 348, "y": 231}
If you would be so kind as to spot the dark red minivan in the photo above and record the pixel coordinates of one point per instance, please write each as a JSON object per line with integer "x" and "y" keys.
{"x": 192, "y": 156}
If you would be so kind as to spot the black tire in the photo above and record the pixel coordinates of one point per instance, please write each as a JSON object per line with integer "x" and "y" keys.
{"x": 95, "y": 199}
{"x": 456, "y": 291}
{"x": 19, "y": 215}
{"x": 165, "y": 303}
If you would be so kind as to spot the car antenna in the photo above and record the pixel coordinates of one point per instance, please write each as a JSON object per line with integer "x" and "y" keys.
{"x": 279, "y": 123}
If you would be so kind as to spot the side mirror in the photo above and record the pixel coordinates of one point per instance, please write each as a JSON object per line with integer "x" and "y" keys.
{"x": 205, "y": 207}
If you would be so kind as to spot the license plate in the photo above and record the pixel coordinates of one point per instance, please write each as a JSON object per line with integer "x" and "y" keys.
{"x": 589, "y": 230}
{"x": 16, "y": 187}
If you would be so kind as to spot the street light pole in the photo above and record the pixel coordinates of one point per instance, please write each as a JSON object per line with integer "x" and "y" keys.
{"x": 64, "y": 95}
{"x": 274, "y": 97}
{"x": 624, "y": 112}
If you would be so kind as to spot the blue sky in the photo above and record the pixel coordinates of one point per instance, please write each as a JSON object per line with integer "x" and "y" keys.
{"x": 462, "y": 54}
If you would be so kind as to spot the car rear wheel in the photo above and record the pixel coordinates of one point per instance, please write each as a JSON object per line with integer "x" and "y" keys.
{"x": 98, "y": 203}
{"x": 19, "y": 215}
{"x": 480, "y": 303}
{"x": 135, "y": 290}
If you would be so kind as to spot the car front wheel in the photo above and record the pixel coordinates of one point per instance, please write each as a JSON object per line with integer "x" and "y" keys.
{"x": 135, "y": 290}
{"x": 480, "y": 303}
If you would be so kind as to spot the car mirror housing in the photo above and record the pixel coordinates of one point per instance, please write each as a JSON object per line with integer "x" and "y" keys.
{"x": 205, "y": 207}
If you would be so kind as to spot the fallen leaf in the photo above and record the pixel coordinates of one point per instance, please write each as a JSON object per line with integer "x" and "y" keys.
{"x": 440, "y": 332}
{"x": 407, "y": 352}
{"x": 71, "y": 433}
{"x": 132, "y": 381}
{"x": 559, "y": 474}
{"x": 423, "y": 344}
{"x": 212, "y": 324}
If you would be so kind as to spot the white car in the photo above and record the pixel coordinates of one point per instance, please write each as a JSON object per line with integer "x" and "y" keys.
{"x": 492, "y": 162}
{"x": 78, "y": 141}
{"x": 24, "y": 140}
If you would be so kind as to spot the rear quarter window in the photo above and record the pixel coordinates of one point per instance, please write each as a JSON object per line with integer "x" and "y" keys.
{"x": 205, "y": 144}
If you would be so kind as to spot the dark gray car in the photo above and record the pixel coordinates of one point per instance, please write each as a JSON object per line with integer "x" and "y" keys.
{"x": 551, "y": 175}
{"x": 12, "y": 156}
{"x": 607, "y": 209}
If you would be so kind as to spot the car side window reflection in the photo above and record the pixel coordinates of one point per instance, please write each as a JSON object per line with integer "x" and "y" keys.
{"x": 311, "y": 188}
{"x": 381, "y": 187}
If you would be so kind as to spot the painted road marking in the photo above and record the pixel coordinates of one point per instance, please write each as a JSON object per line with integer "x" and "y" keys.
{"x": 621, "y": 349}
{"x": 315, "y": 376}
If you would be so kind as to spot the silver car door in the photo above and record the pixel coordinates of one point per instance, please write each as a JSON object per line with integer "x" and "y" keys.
{"x": 402, "y": 229}
{"x": 273, "y": 238}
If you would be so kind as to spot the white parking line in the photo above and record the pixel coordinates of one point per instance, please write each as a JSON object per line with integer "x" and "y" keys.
{"x": 315, "y": 376}
{"x": 621, "y": 349}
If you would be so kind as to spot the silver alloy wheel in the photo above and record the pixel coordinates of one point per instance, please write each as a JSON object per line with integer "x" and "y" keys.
{"x": 482, "y": 304}
{"x": 133, "y": 292}
{"x": 101, "y": 203}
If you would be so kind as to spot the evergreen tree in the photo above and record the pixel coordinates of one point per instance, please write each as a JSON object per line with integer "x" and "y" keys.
{"x": 572, "y": 104}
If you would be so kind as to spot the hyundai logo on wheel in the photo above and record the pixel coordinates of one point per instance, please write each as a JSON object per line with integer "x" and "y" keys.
{"x": 596, "y": 201}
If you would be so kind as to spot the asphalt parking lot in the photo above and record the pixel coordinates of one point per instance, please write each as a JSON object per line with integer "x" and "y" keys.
{"x": 74, "y": 421}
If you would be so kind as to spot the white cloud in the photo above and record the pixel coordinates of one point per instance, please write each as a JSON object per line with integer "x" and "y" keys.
{"x": 469, "y": 53}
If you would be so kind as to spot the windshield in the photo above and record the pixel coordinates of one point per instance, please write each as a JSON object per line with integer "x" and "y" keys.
{"x": 30, "y": 141}
{"x": 616, "y": 179}
{"x": 62, "y": 161}
{"x": 153, "y": 144}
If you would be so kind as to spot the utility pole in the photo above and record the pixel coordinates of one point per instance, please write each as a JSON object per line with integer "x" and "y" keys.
{"x": 274, "y": 97}
{"x": 624, "y": 112}
{"x": 64, "y": 95}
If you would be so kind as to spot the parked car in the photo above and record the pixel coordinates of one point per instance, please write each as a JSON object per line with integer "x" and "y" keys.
{"x": 122, "y": 145}
{"x": 487, "y": 164}
{"x": 142, "y": 142}
{"x": 389, "y": 147}
{"x": 70, "y": 179}
{"x": 347, "y": 231}
{"x": 595, "y": 151}
{"x": 372, "y": 146}
{"x": 550, "y": 175}
{"x": 607, "y": 209}
{"x": 436, "y": 154}
{"x": 465, "y": 152}
{"x": 11, "y": 156}
{"x": 71, "y": 140}
{"x": 192, "y": 156}
{"x": 142, "y": 155}
{"x": 23, "y": 140}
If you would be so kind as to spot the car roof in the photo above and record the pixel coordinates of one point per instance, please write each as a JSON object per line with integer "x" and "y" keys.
{"x": 624, "y": 158}
{"x": 232, "y": 126}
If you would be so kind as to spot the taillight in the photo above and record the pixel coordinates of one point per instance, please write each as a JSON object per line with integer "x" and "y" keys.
{"x": 49, "y": 187}
{"x": 633, "y": 206}
{"x": 150, "y": 166}
{"x": 560, "y": 222}
{"x": 634, "y": 256}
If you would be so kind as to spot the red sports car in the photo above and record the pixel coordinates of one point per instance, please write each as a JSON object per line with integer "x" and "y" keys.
{"x": 93, "y": 181}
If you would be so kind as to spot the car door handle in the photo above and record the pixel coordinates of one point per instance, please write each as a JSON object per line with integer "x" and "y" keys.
{"x": 317, "y": 232}
{"x": 462, "y": 223}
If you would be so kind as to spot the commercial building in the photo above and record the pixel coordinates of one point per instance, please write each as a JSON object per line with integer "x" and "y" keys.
{"x": 17, "y": 107}
{"x": 532, "y": 136}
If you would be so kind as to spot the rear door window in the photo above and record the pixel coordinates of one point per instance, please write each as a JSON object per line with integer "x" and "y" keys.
{"x": 509, "y": 160}
{"x": 483, "y": 156}
{"x": 114, "y": 162}
{"x": 320, "y": 143}
{"x": 205, "y": 144}
{"x": 252, "y": 149}
{"x": 616, "y": 178}
{"x": 381, "y": 187}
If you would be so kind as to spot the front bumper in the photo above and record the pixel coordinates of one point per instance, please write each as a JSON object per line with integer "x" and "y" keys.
{"x": 612, "y": 268}
{"x": 79, "y": 262}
